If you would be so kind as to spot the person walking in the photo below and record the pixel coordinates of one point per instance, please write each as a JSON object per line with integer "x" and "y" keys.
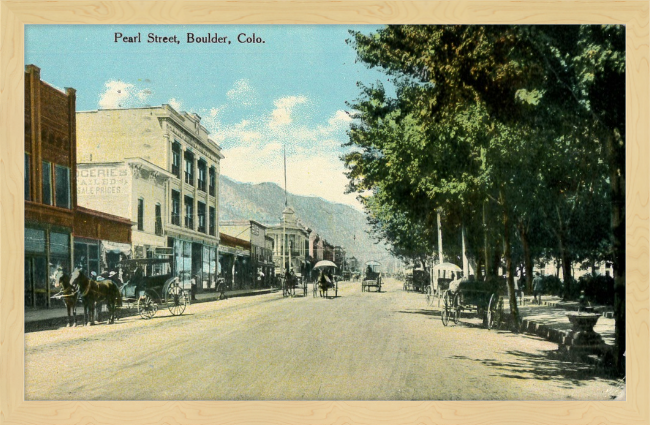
{"x": 537, "y": 289}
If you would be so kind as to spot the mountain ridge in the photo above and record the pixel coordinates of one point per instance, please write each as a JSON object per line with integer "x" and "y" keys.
{"x": 339, "y": 224}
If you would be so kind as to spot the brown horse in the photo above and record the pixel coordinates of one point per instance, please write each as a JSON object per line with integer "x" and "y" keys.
{"x": 93, "y": 291}
{"x": 68, "y": 294}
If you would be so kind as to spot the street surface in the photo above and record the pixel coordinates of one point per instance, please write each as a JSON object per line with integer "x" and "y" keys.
{"x": 359, "y": 346}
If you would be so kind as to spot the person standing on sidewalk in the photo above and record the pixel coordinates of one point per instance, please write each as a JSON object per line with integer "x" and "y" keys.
{"x": 537, "y": 289}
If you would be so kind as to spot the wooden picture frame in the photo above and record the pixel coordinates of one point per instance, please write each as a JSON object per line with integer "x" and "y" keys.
{"x": 15, "y": 14}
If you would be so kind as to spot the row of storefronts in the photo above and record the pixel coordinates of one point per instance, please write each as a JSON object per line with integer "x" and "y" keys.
{"x": 96, "y": 196}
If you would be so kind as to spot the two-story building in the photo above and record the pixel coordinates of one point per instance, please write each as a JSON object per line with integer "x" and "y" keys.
{"x": 58, "y": 233}
{"x": 170, "y": 153}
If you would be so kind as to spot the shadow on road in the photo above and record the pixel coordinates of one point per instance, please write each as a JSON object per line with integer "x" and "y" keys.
{"x": 550, "y": 365}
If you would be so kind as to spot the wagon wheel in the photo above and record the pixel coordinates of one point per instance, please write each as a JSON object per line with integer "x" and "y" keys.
{"x": 146, "y": 307}
{"x": 457, "y": 308}
{"x": 176, "y": 299}
{"x": 315, "y": 290}
{"x": 445, "y": 309}
{"x": 304, "y": 288}
{"x": 336, "y": 289}
{"x": 429, "y": 295}
{"x": 494, "y": 311}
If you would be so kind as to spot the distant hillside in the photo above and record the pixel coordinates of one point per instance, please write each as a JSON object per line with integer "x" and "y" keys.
{"x": 339, "y": 224}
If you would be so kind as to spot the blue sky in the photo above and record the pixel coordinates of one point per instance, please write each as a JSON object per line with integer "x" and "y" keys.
{"x": 255, "y": 98}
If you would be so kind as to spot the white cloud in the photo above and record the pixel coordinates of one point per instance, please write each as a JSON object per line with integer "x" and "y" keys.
{"x": 176, "y": 104}
{"x": 242, "y": 93}
{"x": 120, "y": 94}
{"x": 284, "y": 107}
{"x": 340, "y": 119}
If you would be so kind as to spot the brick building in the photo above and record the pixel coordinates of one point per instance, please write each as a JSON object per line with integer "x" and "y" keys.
{"x": 53, "y": 223}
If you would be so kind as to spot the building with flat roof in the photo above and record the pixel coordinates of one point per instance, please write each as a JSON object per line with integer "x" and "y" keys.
{"x": 170, "y": 154}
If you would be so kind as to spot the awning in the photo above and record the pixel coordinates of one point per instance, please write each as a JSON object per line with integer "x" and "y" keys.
{"x": 116, "y": 248}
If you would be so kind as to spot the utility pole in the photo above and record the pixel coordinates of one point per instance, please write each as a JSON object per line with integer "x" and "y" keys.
{"x": 440, "y": 256}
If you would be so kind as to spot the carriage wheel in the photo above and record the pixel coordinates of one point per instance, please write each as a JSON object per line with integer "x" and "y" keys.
{"x": 429, "y": 295}
{"x": 176, "y": 299}
{"x": 304, "y": 289}
{"x": 445, "y": 310}
{"x": 457, "y": 308}
{"x": 146, "y": 307}
{"x": 336, "y": 290}
{"x": 495, "y": 308}
{"x": 315, "y": 289}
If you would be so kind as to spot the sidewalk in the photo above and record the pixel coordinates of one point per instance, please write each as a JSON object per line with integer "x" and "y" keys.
{"x": 41, "y": 319}
{"x": 549, "y": 321}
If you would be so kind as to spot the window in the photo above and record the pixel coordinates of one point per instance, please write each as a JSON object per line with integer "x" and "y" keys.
{"x": 176, "y": 208}
{"x": 159, "y": 230}
{"x": 176, "y": 159}
{"x": 201, "y": 216}
{"x": 140, "y": 214}
{"x": 27, "y": 181}
{"x": 47, "y": 183}
{"x": 201, "y": 178}
{"x": 62, "y": 185}
{"x": 189, "y": 168}
{"x": 212, "y": 220}
{"x": 189, "y": 212}
{"x": 213, "y": 180}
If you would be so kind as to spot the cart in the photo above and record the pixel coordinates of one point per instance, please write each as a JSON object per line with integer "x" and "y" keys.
{"x": 371, "y": 277}
{"x": 442, "y": 275}
{"x": 160, "y": 288}
{"x": 483, "y": 297}
{"x": 332, "y": 285}
{"x": 290, "y": 288}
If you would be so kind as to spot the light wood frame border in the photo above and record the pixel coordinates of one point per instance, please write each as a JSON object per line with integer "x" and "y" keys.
{"x": 14, "y": 14}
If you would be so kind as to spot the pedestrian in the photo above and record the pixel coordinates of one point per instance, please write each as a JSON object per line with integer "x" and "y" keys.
{"x": 537, "y": 288}
{"x": 193, "y": 283}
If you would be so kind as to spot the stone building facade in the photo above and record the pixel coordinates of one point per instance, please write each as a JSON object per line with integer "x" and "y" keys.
{"x": 179, "y": 148}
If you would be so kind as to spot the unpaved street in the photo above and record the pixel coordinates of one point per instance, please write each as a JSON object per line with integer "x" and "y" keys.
{"x": 359, "y": 346}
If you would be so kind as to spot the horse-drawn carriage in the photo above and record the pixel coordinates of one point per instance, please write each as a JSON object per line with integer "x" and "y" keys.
{"x": 372, "y": 277}
{"x": 485, "y": 297}
{"x": 442, "y": 275}
{"x": 292, "y": 282}
{"x": 326, "y": 280}
{"x": 416, "y": 280}
{"x": 161, "y": 288}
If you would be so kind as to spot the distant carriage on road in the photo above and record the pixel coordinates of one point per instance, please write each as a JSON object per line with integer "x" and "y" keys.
{"x": 442, "y": 275}
{"x": 372, "y": 277}
{"x": 293, "y": 283}
{"x": 324, "y": 284}
{"x": 484, "y": 297}
{"x": 161, "y": 288}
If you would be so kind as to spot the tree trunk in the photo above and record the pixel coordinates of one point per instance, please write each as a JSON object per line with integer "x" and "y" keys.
{"x": 616, "y": 148}
{"x": 528, "y": 262}
{"x": 512, "y": 296}
{"x": 566, "y": 266}
{"x": 486, "y": 246}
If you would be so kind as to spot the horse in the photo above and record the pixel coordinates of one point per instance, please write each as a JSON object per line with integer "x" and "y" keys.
{"x": 93, "y": 292}
{"x": 68, "y": 294}
{"x": 290, "y": 284}
{"x": 324, "y": 284}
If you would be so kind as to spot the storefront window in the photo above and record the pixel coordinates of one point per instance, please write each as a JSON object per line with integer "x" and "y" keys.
{"x": 59, "y": 243}
{"x": 34, "y": 240}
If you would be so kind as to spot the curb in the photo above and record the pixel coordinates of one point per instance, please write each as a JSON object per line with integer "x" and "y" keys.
{"x": 62, "y": 321}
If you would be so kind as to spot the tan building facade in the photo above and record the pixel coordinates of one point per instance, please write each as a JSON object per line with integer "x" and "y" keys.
{"x": 180, "y": 167}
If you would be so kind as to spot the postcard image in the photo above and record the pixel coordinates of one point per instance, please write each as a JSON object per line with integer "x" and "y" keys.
{"x": 324, "y": 212}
